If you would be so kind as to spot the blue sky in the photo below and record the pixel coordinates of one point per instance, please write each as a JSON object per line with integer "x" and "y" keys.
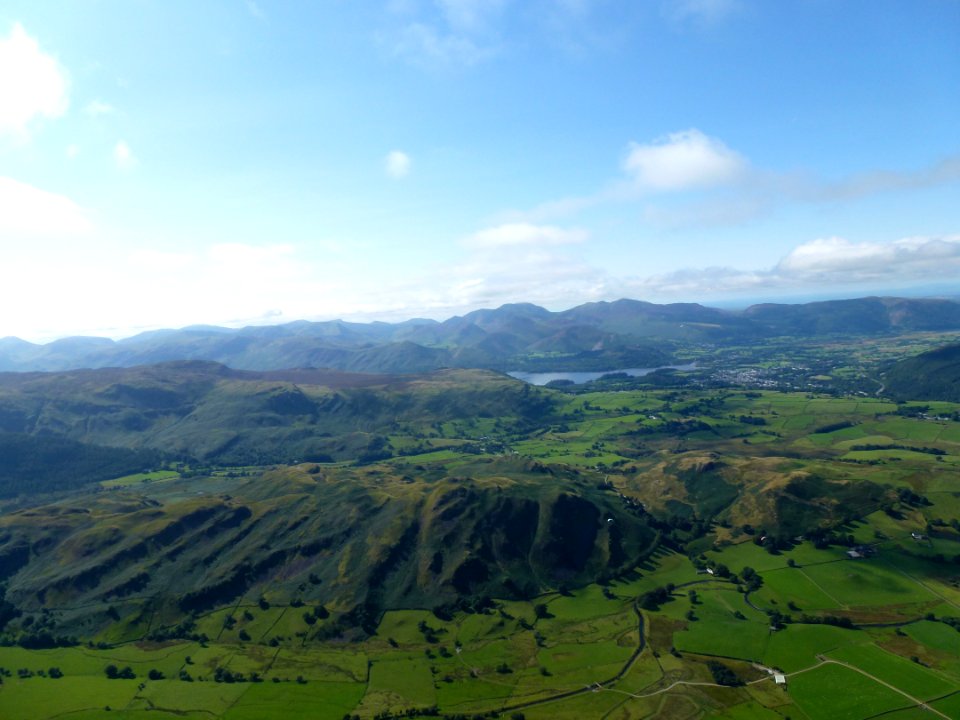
{"x": 166, "y": 162}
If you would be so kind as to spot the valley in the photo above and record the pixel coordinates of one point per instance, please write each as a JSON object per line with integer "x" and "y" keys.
{"x": 459, "y": 544}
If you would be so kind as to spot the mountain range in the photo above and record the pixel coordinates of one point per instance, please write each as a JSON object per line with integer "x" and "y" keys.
{"x": 593, "y": 336}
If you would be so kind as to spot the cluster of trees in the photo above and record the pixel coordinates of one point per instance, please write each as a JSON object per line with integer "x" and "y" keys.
{"x": 33, "y": 465}
{"x": 653, "y": 599}
{"x": 897, "y": 446}
{"x": 114, "y": 673}
{"x": 722, "y": 675}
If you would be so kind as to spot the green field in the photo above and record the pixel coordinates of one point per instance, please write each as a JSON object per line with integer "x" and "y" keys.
{"x": 682, "y": 461}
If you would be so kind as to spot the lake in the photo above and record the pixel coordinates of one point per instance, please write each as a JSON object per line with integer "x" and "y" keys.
{"x": 542, "y": 378}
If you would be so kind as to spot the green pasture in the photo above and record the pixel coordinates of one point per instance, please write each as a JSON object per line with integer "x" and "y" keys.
{"x": 43, "y": 699}
{"x": 717, "y": 631}
{"x": 900, "y": 672}
{"x": 795, "y": 585}
{"x": 867, "y": 584}
{"x": 835, "y": 692}
{"x": 796, "y": 646}
{"x": 746, "y": 711}
{"x": 138, "y": 478}
{"x": 311, "y": 701}
{"x": 935, "y": 635}
{"x": 399, "y": 680}
{"x": 176, "y": 698}
{"x": 949, "y": 706}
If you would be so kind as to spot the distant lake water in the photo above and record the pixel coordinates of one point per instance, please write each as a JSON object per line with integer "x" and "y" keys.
{"x": 542, "y": 378}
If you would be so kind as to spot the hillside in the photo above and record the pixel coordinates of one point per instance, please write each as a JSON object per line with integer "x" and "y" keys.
{"x": 205, "y": 412}
{"x": 352, "y": 540}
{"x": 478, "y": 538}
{"x": 933, "y": 375}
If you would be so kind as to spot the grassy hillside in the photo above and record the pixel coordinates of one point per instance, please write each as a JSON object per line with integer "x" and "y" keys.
{"x": 355, "y": 541}
{"x": 933, "y": 375}
{"x": 208, "y": 413}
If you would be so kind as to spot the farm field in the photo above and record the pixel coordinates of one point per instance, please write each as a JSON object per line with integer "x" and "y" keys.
{"x": 751, "y": 574}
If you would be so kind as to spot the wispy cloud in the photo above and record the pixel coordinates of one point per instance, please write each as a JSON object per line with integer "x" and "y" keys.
{"x": 690, "y": 179}
{"x": 123, "y": 156}
{"x": 699, "y": 12}
{"x": 471, "y": 15}
{"x": 32, "y": 83}
{"x": 445, "y": 33}
{"x": 429, "y": 45}
{"x": 943, "y": 171}
{"x": 255, "y": 10}
{"x": 397, "y": 164}
{"x": 511, "y": 235}
{"x": 95, "y": 108}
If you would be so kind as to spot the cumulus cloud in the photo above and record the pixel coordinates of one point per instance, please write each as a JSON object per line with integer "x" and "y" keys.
{"x": 523, "y": 234}
{"x": 682, "y": 161}
{"x": 820, "y": 265}
{"x": 123, "y": 156}
{"x": 829, "y": 259}
{"x": 29, "y": 211}
{"x": 397, "y": 164}
{"x": 32, "y": 83}
{"x": 690, "y": 179}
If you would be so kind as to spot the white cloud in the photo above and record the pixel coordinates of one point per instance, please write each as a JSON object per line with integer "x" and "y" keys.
{"x": 72, "y": 150}
{"x": 255, "y": 10}
{"x": 123, "y": 156}
{"x": 225, "y": 284}
{"x": 95, "y": 108}
{"x": 829, "y": 259}
{"x": 397, "y": 164}
{"x": 29, "y": 211}
{"x": 682, "y": 161}
{"x": 820, "y": 265}
{"x": 239, "y": 283}
{"x": 688, "y": 179}
{"x": 523, "y": 234}
{"x": 32, "y": 83}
